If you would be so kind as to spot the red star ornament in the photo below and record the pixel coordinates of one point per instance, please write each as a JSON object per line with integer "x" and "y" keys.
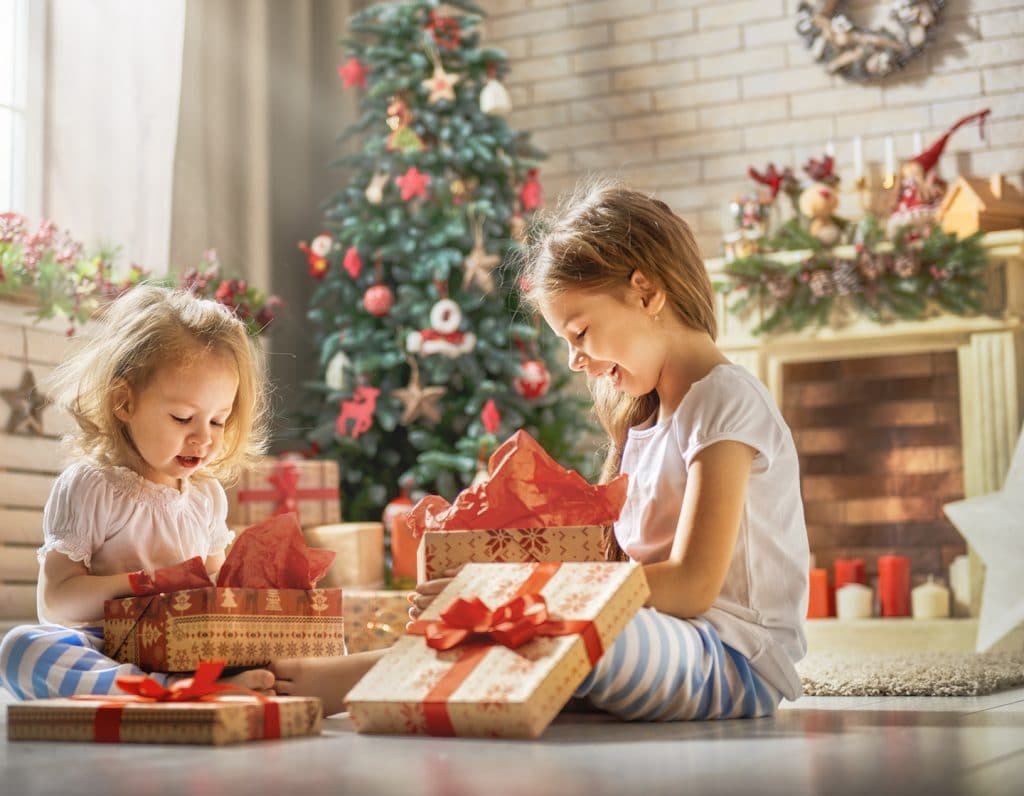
{"x": 353, "y": 73}
{"x": 412, "y": 184}
{"x": 353, "y": 263}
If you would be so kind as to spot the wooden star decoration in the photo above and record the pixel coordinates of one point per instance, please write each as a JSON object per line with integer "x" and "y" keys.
{"x": 419, "y": 401}
{"x": 441, "y": 85}
{"x": 992, "y": 527}
{"x": 27, "y": 405}
{"x": 478, "y": 265}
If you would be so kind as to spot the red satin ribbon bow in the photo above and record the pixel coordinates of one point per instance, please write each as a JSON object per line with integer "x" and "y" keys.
{"x": 285, "y": 479}
{"x": 511, "y": 624}
{"x": 201, "y": 687}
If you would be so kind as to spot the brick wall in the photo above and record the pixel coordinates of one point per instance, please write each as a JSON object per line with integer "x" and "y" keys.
{"x": 880, "y": 453}
{"x": 680, "y": 96}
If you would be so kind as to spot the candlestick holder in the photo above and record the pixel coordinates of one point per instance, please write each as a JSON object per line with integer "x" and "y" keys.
{"x": 862, "y": 188}
{"x": 889, "y": 181}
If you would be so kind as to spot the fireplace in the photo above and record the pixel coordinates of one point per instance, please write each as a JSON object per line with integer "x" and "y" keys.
{"x": 892, "y": 421}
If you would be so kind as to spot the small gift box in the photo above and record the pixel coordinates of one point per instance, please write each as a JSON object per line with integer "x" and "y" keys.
{"x": 265, "y": 605}
{"x": 307, "y": 487}
{"x": 374, "y": 619}
{"x": 443, "y": 550}
{"x": 529, "y": 508}
{"x": 195, "y": 711}
{"x": 359, "y": 548}
{"x": 500, "y": 651}
{"x": 244, "y": 627}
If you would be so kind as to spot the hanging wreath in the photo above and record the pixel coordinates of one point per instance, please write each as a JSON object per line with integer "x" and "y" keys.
{"x": 864, "y": 54}
{"x": 905, "y": 281}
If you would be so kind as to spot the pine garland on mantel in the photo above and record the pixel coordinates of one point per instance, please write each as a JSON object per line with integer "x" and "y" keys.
{"x": 885, "y": 280}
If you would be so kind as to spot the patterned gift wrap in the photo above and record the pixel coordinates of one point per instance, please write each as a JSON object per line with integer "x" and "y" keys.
{"x": 309, "y": 488}
{"x": 243, "y": 627}
{"x": 442, "y": 550}
{"x": 228, "y": 719}
{"x": 483, "y": 688}
{"x": 374, "y": 620}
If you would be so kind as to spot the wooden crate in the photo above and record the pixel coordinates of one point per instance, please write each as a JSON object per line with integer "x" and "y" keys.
{"x": 29, "y": 463}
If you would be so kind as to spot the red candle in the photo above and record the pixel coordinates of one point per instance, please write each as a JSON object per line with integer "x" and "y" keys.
{"x": 849, "y": 570}
{"x": 818, "y": 603}
{"x": 894, "y": 585}
{"x": 403, "y": 552}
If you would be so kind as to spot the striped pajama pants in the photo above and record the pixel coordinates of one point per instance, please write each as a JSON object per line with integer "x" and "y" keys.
{"x": 666, "y": 669}
{"x": 43, "y": 661}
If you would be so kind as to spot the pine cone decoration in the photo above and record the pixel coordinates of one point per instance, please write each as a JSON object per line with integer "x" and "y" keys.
{"x": 821, "y": 284}
{"x": 905, "y": 266}
{"x": 844, "y": 276}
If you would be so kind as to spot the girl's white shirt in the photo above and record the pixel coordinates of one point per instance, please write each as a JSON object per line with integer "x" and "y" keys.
{"x": 115, "y": 521}
{"x": 761, "y": 608}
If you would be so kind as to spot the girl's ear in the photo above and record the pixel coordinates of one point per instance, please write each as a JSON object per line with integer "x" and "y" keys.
{"x": 121, "y": 395}
{"x": 652, "y": 297}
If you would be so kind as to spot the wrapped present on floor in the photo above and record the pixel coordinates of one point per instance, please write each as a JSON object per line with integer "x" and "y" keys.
{"x": 194, "y": 711}
{"x": 500, "y": 651}
{"x": 529, "y": 508}
{"x": 265, "y": 605}
{"x": 374, "y": 619}
{"x": 359, "y": 549}
{"x": 307, "y": 487}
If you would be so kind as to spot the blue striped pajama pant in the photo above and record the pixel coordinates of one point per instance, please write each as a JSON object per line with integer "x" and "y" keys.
{"x": 666, "y": 669}
{"x": 43, "y": 661}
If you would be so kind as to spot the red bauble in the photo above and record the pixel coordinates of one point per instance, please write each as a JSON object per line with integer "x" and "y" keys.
{"x": 378, "y": 300}
{"x": 533, "y": 380}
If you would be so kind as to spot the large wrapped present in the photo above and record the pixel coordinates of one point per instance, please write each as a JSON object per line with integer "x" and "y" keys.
{"x": 307, "y": 487}
{"x": 359, "y": 548}
{"x": 529, "y": 508}
{"x": 265, "y": 605}
{"x": 196, "y": 711}
{"x": 374, "y": 619}
{"x": 500, "y": 651}
{"x": 440, "y": 551}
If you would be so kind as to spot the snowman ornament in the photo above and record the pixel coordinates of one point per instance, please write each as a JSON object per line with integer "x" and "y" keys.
{"x": 443, "y": 337}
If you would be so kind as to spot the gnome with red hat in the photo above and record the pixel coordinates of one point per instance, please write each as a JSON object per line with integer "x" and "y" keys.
{"x": 921, "y": 188}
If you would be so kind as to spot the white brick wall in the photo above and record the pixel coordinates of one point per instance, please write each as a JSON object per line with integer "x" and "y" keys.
{"x": 680, "y": 96}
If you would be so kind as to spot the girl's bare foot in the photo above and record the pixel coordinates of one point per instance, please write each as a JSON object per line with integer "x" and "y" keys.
{"x": 328, "y": 678}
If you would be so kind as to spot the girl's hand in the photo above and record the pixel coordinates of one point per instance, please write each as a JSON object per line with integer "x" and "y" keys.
{"x": 427, "y": 591}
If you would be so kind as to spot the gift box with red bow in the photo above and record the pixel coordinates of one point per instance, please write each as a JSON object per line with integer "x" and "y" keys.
{"x": 307, "y": 487}
{"x": 264, "y": 605}
{"x": 500, "y": 651}
{"x": 197, "y": 710}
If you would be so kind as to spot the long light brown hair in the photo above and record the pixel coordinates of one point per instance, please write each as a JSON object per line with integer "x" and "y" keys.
{"x": 144, "y": 330}
{"x": 594, "y": 240}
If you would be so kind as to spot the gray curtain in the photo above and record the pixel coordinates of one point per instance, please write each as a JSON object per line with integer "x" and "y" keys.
{"x": 261, "y": 109}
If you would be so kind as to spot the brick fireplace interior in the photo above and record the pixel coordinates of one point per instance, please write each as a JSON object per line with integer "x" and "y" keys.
{"x": 880, "y": 453}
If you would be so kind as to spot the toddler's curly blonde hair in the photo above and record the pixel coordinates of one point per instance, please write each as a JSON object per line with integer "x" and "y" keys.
{"x": 147, "y": 329}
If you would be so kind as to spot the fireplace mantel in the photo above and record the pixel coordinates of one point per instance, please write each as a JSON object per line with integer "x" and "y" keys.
{"x": 989, "y": 349}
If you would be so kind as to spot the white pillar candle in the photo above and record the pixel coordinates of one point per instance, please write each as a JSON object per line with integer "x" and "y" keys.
{"x": 930, "y": 600}
{"x": 854, "y": 601}
{"x": 916, "y": 144}
{"x": 830, "y": 149}
{"x": 960, "y": 583}
{"x": 858, "y": 157}
{"x": 890, "y": 156}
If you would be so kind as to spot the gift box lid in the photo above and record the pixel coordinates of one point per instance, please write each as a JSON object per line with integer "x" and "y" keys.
{"x": 483, "y": 688}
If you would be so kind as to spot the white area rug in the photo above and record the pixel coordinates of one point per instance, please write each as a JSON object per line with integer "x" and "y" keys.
{"x": 921, "y": 674}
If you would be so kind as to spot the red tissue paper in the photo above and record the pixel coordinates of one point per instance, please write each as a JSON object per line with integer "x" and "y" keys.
{"x": 274, "y": 555}
{"x": 190, "y": 574}
{"x": 525, "y": 488}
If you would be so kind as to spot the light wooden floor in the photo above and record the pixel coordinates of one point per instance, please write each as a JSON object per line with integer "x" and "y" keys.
{"x": 820, "y": 745}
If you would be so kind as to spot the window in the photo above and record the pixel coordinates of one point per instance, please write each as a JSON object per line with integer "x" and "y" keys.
{"x": 21, "y": 85}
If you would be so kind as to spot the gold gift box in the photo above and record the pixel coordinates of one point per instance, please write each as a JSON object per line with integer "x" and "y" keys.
{"x": 374, "y": 619}
{"x": 494, "y": 691}
{"x": 227, "y": 720}
{"x": 443, "y": 550}
{"x": 359, "y": 546}
{"x": 277, "y": 486}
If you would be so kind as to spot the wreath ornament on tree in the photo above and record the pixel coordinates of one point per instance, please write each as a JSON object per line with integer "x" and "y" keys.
{"x": 864, "y": 54}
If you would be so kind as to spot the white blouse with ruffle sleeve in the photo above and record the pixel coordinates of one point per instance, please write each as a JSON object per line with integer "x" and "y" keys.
{"x": 113, "y": 520}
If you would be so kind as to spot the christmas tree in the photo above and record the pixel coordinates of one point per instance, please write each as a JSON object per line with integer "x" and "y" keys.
{"x": 428, "y": 359}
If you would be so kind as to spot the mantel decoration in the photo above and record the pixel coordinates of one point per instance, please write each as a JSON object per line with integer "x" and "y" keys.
{"x": 62, "y": 280}
{"x": 904, "y": 267}
{"x": 865, "y": 54}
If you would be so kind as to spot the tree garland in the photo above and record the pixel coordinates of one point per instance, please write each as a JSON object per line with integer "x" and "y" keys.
{"x": 866, "y": 54}
{"x": 905, "y": 279}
